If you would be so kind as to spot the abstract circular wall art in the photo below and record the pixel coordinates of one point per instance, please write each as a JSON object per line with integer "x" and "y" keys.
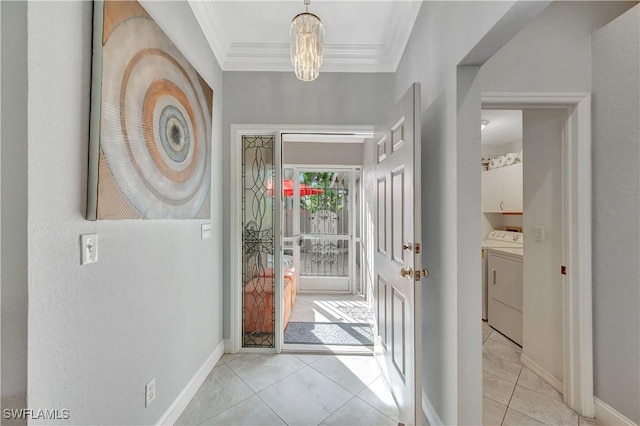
{"x": 150, "y": 153}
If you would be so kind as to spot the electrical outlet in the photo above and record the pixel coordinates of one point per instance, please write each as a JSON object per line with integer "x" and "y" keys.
{"x": 150, "y": 392}
{"x": 539, "y": 233}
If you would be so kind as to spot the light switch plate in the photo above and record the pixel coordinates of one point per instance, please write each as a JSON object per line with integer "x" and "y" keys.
{"x": 206, "y": 231}
{"x": 88, "y": 248}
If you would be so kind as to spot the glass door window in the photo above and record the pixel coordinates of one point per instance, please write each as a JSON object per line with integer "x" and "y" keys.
{"x": 322, "y": 207}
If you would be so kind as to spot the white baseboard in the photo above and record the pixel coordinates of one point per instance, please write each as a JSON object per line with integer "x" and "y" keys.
{"x": 181, "y": 402}
{"x": 430, "y": 413}
{"x": 228, "y": 346}
{"x": 608, "y": 416}
{"x": 544, "y": 374}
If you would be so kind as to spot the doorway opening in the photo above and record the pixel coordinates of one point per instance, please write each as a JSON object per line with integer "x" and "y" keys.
{"x": 534, "y": 302}
{"x": 325, "y": 309}
{"x": 311, "y": 274}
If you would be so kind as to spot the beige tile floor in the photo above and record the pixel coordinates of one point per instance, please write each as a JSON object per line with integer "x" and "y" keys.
{"x": 513, "y": 394}
{"x": 286, "y": 389}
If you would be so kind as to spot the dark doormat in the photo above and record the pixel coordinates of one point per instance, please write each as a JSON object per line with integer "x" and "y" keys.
{"x": 329, "y": 333}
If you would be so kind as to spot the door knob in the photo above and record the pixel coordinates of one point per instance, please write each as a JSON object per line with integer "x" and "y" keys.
{"x": 406, "y": 272}
{"x": 425, "y": 273}
{"x": 407, "y": 246}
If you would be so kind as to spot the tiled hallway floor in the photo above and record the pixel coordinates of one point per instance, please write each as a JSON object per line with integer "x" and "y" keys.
{"x": 513, "y": 394}
{"x": 311, "y": 389}
{"x": 284, "y": 389}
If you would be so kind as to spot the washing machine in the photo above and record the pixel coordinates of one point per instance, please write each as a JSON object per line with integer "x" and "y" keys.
{"x": 496, "y": 239}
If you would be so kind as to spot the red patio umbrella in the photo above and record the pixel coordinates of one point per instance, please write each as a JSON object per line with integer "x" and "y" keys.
{"x": 287, "y": 189}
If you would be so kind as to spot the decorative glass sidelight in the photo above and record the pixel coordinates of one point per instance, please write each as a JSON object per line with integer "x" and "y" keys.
{"x": 258, "y": 220}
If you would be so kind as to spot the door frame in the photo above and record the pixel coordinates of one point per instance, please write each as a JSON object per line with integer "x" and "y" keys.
{"x": 235, "y": 243}
{"x": 577, "y": 309}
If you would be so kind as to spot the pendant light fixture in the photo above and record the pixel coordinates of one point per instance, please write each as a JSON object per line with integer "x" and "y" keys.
{"x": 307, "y": 44}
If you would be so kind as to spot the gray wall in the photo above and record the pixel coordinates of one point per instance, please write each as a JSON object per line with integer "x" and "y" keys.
{"x": 151, "y": 306}
{"x": 345, "y": 154}
{"x": 279, "y": 98}
{"x": 616, "y": 213}
{"x": 14, "y": 197}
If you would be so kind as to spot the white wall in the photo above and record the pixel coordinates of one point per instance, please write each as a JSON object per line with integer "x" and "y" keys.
{"x": 514, "y": 146}
{"x": 279, "y": 98}
{"x": 616, "y": 213}
{"x": 151, "y": 306}
{"x": 542, "y": 200}
{"x": 346, "y": 154}
{"x": 14, "y": 206}
{"x": 447, "y": 34}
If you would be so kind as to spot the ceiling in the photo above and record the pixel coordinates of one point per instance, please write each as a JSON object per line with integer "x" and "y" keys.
{"x": 360, "y": 35}
{"x": 504, "y": 126}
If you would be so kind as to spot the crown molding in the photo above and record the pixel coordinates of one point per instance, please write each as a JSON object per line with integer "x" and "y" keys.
{"x": 275, "y": 57}
{"x": 402, "y": 27}
{"x": 337, "y": 58}
{"x": 209, "y": 20}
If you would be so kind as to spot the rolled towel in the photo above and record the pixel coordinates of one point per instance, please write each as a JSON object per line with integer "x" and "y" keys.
{"x": 510, "y": 158}
{"x": 493, "y": 163}
{"x": 501, "y": 161}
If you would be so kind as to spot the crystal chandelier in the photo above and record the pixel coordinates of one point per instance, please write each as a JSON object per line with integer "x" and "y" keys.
{"x": 307, "y": 44}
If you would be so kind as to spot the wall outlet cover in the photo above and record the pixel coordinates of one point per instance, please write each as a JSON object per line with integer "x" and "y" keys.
{"x": 88, "y": 248}
{"x": 150, "y": 392}
{"x": 205, "y": 231}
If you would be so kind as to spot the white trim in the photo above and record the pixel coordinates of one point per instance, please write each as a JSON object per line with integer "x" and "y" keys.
{"x": 330, "y": 167}
{"x": 317, "y": 138}
{"x": 608, "y": 416}
{"x": 542, "y": 373}
{"x": 182, "y": 400}
{"x": 429, "y": 411}
{"x": 368, "y": 58}
{"x": 301, "y": 348}
{"x": 235, "y": 312}
{"x": 228, "y": 346}
{"x": 209, "y": 20}
{"x": 532, "y": 100}
{"x": 278, "y": 244}
{"x": 236, "y": 132}
{"x": 577, "y": 303}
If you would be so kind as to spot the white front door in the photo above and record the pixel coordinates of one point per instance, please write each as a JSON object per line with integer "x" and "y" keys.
{"x": 397, "y": 267}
